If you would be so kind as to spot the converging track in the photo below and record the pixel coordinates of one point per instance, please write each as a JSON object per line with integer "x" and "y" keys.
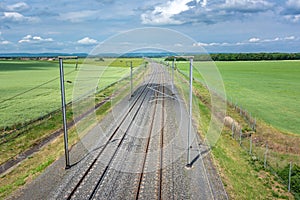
{"x": 141, "y": 152}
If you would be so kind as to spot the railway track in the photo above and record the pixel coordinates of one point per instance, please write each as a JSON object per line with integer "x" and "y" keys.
{"x": 160, "y": 179}
{"x": 141, "y": 97}
{"x": 142, "y": 154}
{"x": 140, "y": 178}
{"x": 142, "y": 175}
{"x": 133, "y": 111}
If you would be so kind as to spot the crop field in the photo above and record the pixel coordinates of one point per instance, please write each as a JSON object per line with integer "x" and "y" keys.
{"x": 268, "y": 90}
{"x": 31, "y": 89}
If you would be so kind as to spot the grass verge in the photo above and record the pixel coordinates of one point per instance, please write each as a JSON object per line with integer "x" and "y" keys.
{"x": 243, "y": 177}
{"x": 34, "y": 165}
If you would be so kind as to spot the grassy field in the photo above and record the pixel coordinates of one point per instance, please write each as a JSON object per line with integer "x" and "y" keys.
{"x": 242, "y": 178}
{"x": 31, "y": 89}
{"x": 267, "y": 89}
{"x": 35, "y": 164}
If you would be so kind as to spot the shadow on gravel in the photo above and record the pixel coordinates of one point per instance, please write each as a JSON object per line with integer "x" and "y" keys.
{"x": 90, "y": 152}
{"x": 195, "y": 159}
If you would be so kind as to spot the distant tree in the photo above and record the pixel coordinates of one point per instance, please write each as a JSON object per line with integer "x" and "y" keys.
{"x": 249, "y": 56}
{"x": 171, "y": 58}
{"x": 100, "y": 59}
{"x": 240, "y": 57}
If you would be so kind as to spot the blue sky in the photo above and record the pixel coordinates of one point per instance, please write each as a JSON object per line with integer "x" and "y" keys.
{"x": 36, "y": 26}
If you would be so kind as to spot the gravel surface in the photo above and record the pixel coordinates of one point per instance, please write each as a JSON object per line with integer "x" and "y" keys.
{"x": 117, "y": 152}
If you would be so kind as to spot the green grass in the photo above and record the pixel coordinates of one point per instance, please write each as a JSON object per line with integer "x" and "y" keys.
{"x": 241, "y": 180}
{"x": 267, "y": 89}
{"x": 20, "y": 140}
{"x": 31, "y": 89}
{"x": 242, "y": 177}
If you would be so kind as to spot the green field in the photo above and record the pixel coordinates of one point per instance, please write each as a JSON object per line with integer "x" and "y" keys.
{"x": 31, "y": 89}
{"x": 269, "y": 90}
{"x": 248, "y": 83}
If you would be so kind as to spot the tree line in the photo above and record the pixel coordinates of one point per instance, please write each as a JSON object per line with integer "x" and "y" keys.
{"x": 240, "y": 57}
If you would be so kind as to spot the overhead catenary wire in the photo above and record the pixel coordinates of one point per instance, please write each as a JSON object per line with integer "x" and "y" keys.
{"x": 81, "y": 97}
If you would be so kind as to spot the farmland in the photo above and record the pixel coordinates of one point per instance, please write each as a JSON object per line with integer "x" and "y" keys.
{"x": 227, "y": 151}
{"x": 267, "y": 89}
{"x": 30, "y": 89}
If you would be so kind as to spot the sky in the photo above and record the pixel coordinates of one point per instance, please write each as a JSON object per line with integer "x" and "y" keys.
{"x": 73, "y": 26}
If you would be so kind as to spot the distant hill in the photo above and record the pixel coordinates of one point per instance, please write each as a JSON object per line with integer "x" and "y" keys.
{"x": 40, "y": 55}
{"x": 83, "y": 55}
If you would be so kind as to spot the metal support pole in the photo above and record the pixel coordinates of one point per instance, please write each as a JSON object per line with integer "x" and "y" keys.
{"x": 265, "y": 157}
{"x": 250, "y": 151}
{"x": 131, "y": 87}
{"x": 290, "y": 175}
{"x": 173, "y": 65}
{"x": 63, "y": 102}
{"x": 76, "y": 67}
{"x": 190, "y": 113}
{"x": 241, "y": 133}
{"x": 232, "y": 129}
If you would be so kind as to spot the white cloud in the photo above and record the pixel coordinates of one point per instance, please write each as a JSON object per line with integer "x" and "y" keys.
{"x": 17, "y": 17}
{"x": 293, "y": 18}
{"x": 13, "y": 16}
{"x": 276, "y": 39}
{"x": 11, "y": 13}
{"x": 203, "y": 3}
{"x": 87, "y": 41}
{"x": 34, "y": 39}
{"x": 2, "y": 41}
{"x": 5, "y": 42}
{"x": 293, "y": 4}
{"x": 178, "y": 45}
{"x": 79, "y": 16}
{"x": 291, "y": 12}
{"x": 201, "y": 44}
{"x": 254, "y": 40}
{"x": 272, "y": 40}
{"x": 18, "y": 7}
{"x": 164, "y": 13}
{"x": 290, "y": 38}
{"x": 26, "y": 39}
{"x": 179, "y": 12}
{"x": 247, "y": 5}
